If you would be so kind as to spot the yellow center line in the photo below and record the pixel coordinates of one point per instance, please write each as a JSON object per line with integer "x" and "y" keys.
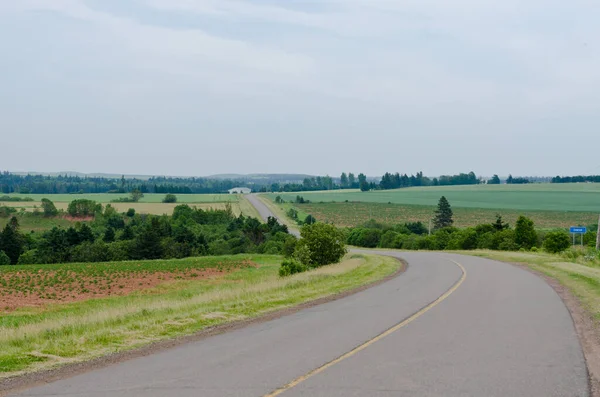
{"x": 379, "y": 337}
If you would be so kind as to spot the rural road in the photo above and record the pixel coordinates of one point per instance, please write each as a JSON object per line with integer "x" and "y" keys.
{"x": 265, "y": 212}
{"x": 448, "y": 326}
{"x": 500, "y": 332}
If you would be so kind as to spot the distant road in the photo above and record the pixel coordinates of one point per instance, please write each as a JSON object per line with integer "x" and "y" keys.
{"x": 265, "y": 212}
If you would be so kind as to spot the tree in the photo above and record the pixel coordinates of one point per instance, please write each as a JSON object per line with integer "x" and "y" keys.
{"x": 49, "y": 208}
{"x": 127, "y": 233}
{"x": 500, "y": 225}
{"x": 147, "y": 244}
{"x": 557, "y": 241}
{"x": 170, "y": 198}
{"x": 309, "y": 220}
{"x": 324, "y": 244}
{"x": 4, "y": 259}
{"x": 352, "y": 181}
{"x": 494, "y": 181}
{"x": 344, "y": 180}
{"x": 136, "y": 195}
{"x": 509, "y": 180}
{"x": 83, "y": 208}
{"x": 362, "y": 182}
{"x": 130, "y": 212}
{"x": 443, "y": 214}
{"x": 109, "y": 235}
{"x": 11, "y": 241}
{"x": 525, "y": 235}
{"x": 86, "y": 233}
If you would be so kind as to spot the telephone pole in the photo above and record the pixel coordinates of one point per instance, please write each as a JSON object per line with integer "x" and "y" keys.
{"x": 598, "y": 236}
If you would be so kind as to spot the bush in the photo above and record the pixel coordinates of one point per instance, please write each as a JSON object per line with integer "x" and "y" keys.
{"x": 130, "y": 212}
{"x": 309, "y": 220}
{"x": 557, "y": 241}
{"x": 6, "y": 211}
{"x": 290, "y": 267}
{"x": 525, "y": 235}
{"x": 28, "y": 258}
{"x": 170, "y": 198}
{"x": 4, "y": 259}
{"x": 83, "y": 208}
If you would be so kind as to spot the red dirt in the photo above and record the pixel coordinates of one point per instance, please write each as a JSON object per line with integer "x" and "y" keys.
{"x": 90, "y": 287}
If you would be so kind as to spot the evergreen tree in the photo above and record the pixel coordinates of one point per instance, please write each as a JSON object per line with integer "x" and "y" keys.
{"x": 127, "y": 233}
{"x": 443, "y": 214}
{"x": 86, "y": 233}
{"x": 494, "y": 181}
{"x": 525, "y": 234}
{"x": 148, "y": 242}
{"x": 73, "y": 236}
{"x": 11, "y": 241}
{"x": 499, "y": 225}
{"x": 344, "y": 180}
{"x": 351, "y": 181}
{"x": 109, "y": 235}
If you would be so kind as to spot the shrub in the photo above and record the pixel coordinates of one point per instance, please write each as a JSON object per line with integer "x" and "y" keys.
{"x": 290, "y": 267}
{"x": 525, "y": 235}
{"x": 557, "y": 241}
{"x": 309, "y": 220}
{"x": 170, "y": 198}
{"x": 130, "y": 212}
{"x": 28, "y": 258}
{"x": 4, "y": 259}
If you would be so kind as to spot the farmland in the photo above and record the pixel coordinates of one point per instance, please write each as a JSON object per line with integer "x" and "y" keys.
{"x": 148, "y": 197}
{"x": 352, "y": 214}
{"x": 176, "y": 297}
{"x": 549, "y": 205}
{"x": 584, "y": 197}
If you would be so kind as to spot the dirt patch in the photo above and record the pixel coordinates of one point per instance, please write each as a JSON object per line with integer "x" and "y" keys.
{"x": 22, "y": 382}
{"x": 27, "y": 289}
{"x": 587, "y": 328}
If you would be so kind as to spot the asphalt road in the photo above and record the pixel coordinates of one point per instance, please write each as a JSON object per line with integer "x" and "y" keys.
{"x": 500, "y": 332}
{"x": 265, "y": 212}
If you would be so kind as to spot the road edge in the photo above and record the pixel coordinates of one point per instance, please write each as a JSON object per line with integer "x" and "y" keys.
{"x": 33, "y": 379}
{"x": 587, "y": 332}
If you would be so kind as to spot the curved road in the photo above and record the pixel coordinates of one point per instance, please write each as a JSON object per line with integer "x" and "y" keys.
{"x": 449, "y": 326}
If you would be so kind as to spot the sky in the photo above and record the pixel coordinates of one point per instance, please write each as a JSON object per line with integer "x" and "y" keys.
{"x": 201, "y": 87}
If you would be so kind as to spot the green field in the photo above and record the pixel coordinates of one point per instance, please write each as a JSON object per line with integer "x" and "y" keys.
{"x": 353, "y": 214}
{"x": 148, "y": 197}
{"x": 584, "y": 197}
{"x": 37, "y": 338}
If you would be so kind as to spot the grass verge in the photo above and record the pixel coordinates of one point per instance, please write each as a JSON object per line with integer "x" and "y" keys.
{"x": 45, "y": 338}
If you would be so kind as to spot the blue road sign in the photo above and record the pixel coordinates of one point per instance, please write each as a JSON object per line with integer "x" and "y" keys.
{"x": 577, "y": 229}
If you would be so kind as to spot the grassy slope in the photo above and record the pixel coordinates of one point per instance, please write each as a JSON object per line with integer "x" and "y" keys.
{"x": 582, "y": 277}
{"x": 34, "y": 339}
{"x": 534, "y": 197}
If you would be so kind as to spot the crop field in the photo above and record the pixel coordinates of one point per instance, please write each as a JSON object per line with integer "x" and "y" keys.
{"x": 353, "y": 214}
{"x": 578, "y": 197}
{"x": 61, "y": 314}
{"x": 26, "y": 286}
{"x": 148, "y": 197}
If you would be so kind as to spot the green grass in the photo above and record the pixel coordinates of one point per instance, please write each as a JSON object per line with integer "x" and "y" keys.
{"x": 581, "y": 276}
{"x": 353, "y": 214}
{"x": 584, "y": 197}
{"x": 41, "y": 338}
{"x": 148, "y": 197}
{"x": 37, "y": 223}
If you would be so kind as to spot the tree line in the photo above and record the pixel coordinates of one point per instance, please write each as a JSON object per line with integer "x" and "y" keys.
{"x": 576, "y": 179}
{"x": 496, "y": 235}
{"x": 113, "y": 236}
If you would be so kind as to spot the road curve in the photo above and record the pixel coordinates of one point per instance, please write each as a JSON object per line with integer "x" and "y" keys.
{"x": 497, "y": 331}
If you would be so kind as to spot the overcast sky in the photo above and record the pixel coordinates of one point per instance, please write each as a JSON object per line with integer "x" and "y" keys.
{"x": 198, "y": 87}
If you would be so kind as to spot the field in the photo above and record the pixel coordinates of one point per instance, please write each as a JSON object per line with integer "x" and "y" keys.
{"x": 352, "y": 214}
{"x": 148, "y": 197}
{"x": 584, "y": 197}
{"x": 176, "y": 297}
{"x": 549, "y": 205}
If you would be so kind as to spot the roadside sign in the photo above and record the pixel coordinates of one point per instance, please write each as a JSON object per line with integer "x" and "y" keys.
{"x": 577, "y": 229}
